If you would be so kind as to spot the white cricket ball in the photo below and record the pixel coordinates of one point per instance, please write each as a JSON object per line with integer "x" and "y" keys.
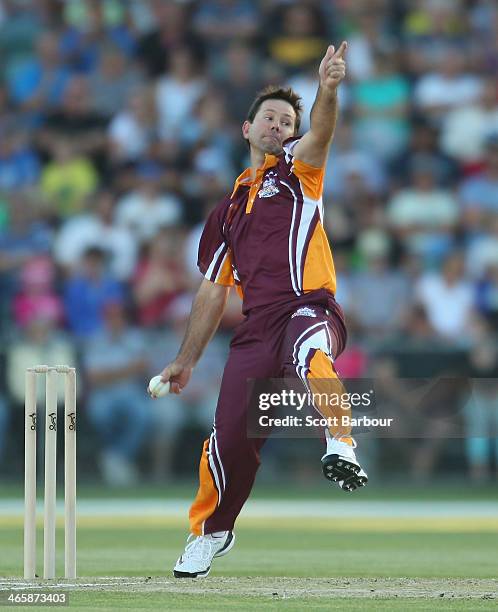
{"x": 158, "y": 388}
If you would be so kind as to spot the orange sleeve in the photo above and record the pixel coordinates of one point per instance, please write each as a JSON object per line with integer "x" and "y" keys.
{"x": 311, "y": 178}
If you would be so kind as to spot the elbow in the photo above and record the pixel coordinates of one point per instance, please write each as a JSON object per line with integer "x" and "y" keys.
{"x": 214, "y": 292}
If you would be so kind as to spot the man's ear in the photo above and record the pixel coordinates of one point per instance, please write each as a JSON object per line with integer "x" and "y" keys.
{"x": 245, "y": 129}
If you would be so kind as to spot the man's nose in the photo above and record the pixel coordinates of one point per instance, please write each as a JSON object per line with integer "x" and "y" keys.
{"x": 276, "y": 127}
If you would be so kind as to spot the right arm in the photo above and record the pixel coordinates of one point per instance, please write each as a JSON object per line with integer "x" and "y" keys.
{"x": 205, "y": 316}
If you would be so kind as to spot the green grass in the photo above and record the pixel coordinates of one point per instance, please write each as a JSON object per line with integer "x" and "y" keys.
{"x": 280, "y": 552}
{"x": 140, "y": 551}
{"x": 314, "y": 489}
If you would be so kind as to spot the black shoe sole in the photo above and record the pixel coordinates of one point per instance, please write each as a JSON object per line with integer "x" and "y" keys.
{"x": 336, "y": 469}
{"x": 220, "y": 553}
{"x": 203, "y": 574}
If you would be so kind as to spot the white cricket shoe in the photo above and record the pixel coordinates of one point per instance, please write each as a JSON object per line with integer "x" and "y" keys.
{"x": 195, "y": 562}
{"x": 339, "y": 464}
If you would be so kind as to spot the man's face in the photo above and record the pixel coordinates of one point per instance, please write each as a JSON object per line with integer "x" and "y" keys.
{"x": 273, "y": 124}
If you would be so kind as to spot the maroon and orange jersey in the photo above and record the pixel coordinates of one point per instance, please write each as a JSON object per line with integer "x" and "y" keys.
{"x": 267, "y": 237}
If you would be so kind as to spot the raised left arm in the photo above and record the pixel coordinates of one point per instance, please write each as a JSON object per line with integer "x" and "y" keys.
{"x": 313, "y": 147}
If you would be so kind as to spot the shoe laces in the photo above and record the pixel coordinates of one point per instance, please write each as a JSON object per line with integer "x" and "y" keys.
{"x": 199, "y": 548}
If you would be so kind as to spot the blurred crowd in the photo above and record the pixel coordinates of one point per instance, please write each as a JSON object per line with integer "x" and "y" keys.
{"x": 120, "y": 130}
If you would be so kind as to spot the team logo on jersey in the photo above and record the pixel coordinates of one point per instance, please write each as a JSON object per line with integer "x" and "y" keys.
{"x": 304, "y": 312}
{"x": 269, "y": 187}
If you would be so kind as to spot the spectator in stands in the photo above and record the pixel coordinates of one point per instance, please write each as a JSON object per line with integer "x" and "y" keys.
{"x": 112, "y": 83}
{"x": 115, "y": 368}
{"x": 68, "y": 179}
{"x": 466, "y": 129}
{"x": 238, "y": 76}
{"x": 206, "y": 136}
{"x": 424, "y": 216}
{"x": 423, "y": 149}
{"x": 20, "y": 27}
{"x": 24, "y": 235}
{"x": 10, "y": 117}
{"x": 160, "y": 277}
{"x": 450, "y": 86}
{"x": 40, "y": 80}
{"x": 87, "y": 291}
{"x": 146, "y": 209}
{"x": 429, "y": 27}
{"x": 178, "y": 91}
{"x": 434, "y": 19}
{"x": 370, "y": 36}
{"x": 36, "y": 297}
{"x": 219, "y": 22}
{"x": 487, "y": 293}
{"x": 89, "y": 28}
{"x": 97, "y": 228}
{"x": 133, "y": 129}
{"x": 347, "y": 160}
{"x": 482, "y": 249}
{"x": 38, "y": 342}
{"x": 448, "y": 299}
{"x": 479, "y": 194}
{"x": 173, "y": 29}
{"x": 296, "y": 37}
{"x": 381, "y": 106}
{"x": 76, "y": 121}
{"x": 19, "y": 162}
{"x": 386, "y": 290}
{"x": 417, "y": 332}
{"x": 484, "y": 15}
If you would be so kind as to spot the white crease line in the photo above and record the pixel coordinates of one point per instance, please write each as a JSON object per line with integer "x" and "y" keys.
{"x": 62, "y": 585}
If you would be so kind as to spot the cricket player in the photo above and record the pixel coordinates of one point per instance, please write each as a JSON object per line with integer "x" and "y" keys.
{"x": 266, "y": 237}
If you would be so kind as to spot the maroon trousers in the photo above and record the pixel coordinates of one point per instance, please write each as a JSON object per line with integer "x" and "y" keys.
{"x": 295, "y": 340}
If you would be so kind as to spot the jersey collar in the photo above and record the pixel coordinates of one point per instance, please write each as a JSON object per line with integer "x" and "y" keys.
{"x": 245, "y": 177}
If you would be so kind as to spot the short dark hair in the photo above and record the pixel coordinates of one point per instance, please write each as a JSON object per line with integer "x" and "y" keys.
{"x": 275, "y": 92}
